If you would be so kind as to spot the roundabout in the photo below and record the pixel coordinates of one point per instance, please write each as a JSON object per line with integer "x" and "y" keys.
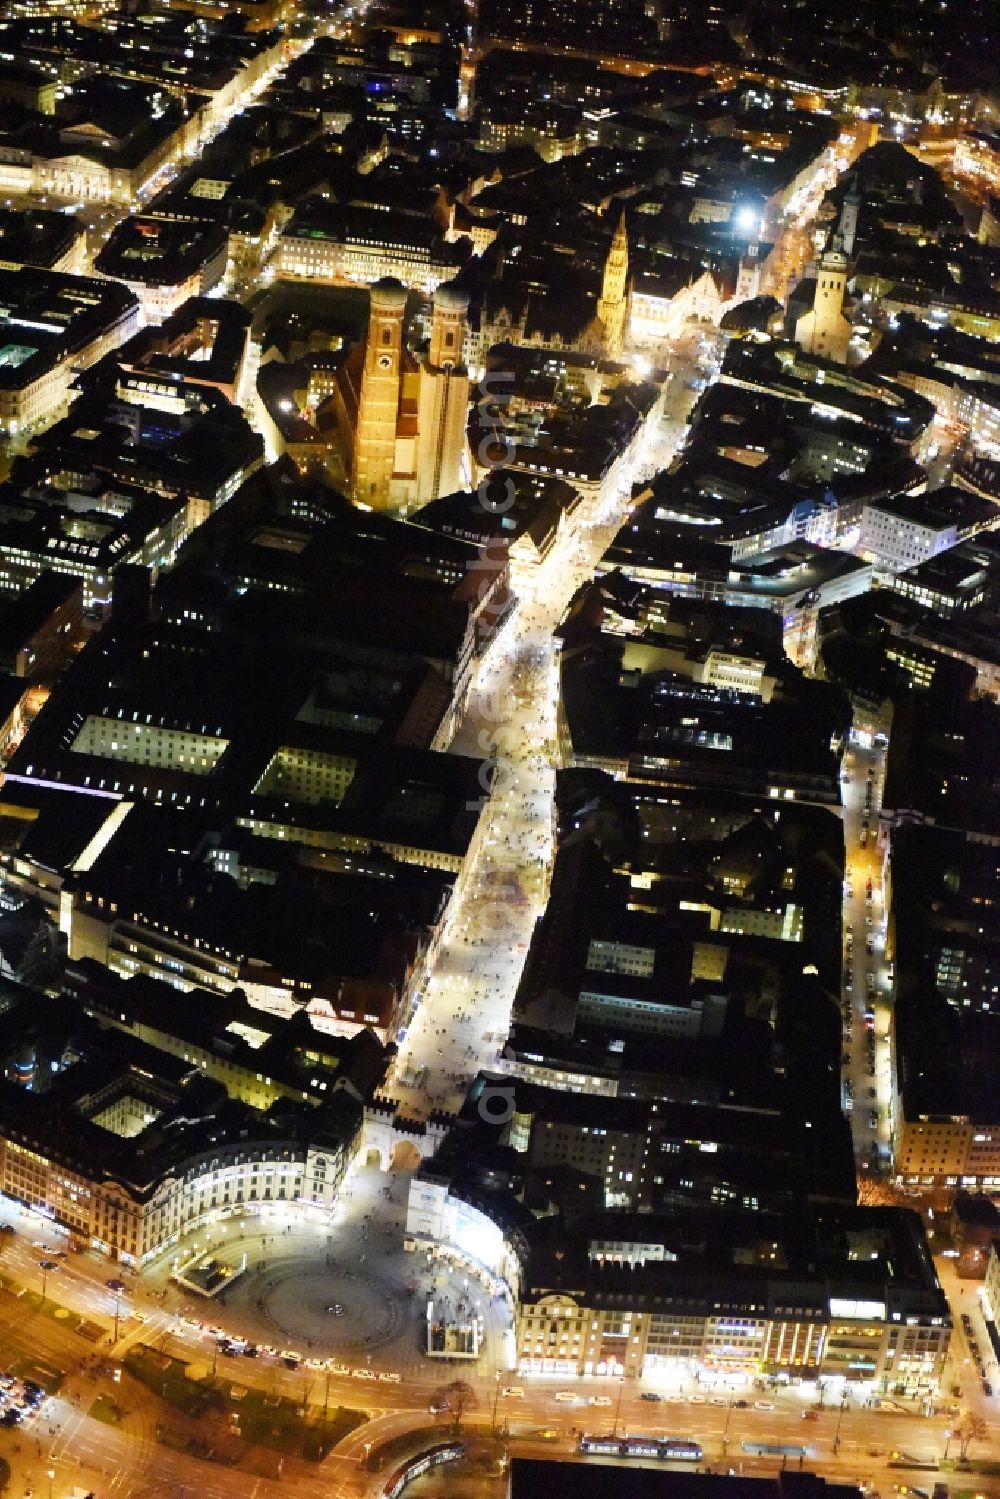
{"x": 326, "y": 1309}
{"x": 338, "y": 1290}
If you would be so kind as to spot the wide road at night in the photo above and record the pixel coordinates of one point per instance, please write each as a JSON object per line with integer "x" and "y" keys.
{"x": 128, "y": 1459}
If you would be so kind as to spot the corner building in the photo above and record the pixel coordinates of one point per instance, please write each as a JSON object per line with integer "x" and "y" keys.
{"x": 861, "y": 1302}
{"x": 128, "y": 1146}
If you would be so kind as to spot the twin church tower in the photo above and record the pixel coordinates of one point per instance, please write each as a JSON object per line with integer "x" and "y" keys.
{"x": 402, "y": 416}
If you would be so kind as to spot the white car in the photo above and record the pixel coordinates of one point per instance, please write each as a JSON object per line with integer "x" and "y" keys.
{"x": 763, "y": 1405}
{"x": 388, "y": 1376}
{"x": 512, "y": 1392}
{"x": 599, "y": 1400}
{"x": 342, "y": 1369}
{"x": 363, "y": 1374}
{"x": 566, "y": 1397}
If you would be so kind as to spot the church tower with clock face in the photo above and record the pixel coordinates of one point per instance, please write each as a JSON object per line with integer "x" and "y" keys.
{"x": 402, "y": 414}
{"x": 443, "y": 401}
{"x": 374, "y": 450}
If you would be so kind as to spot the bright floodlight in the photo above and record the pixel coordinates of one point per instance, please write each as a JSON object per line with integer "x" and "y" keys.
{"x": 746, "y": 219}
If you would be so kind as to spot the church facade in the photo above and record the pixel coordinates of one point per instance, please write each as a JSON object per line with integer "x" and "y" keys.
{"x": 566, "y": 323}
{"x": 401, "y": 417}
{"x": 634, "y": 312}
{"x": 823, "y": 329}
{"x": 820, "y": 324}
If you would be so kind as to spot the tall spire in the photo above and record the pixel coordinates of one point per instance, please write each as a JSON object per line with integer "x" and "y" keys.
{"x": 616, "y": 265}
{"x": 613, "y": 302}
{"x": 848, "y": 224}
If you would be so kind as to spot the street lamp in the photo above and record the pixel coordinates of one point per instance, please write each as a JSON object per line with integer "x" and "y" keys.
{"x": 496, "y": 1399}
{"x": 725, "y": 1429}
{"x": 618, "y": 1407}
{"x": 947, "y": 1443}
{"x": 50, "y": 1475}
{"x": 836, "y": 1435}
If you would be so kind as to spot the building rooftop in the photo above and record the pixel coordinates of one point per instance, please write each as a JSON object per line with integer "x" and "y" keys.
{"x": 350, "y": 224}
{"x": 159, "y": 251}
{"x": 85, "y": 1067}
{"x": 293, "y": 1053}
{"x": 941, "y": 509}
{"x": 786, "y": 371}
{"x": 505, "y": 507}
{"x": 532, "y": 1478}
{"x": 204, "y": 451}
{"x": 947, "y": 1022}
{"x": 826, "y": 1256}
{"x": 96, "y": 524}
{"x": 203, "y": 343}
{"x": 46, "y": 317}
{"x": 36, "y": 237}
{"x": 21, "y": 617}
